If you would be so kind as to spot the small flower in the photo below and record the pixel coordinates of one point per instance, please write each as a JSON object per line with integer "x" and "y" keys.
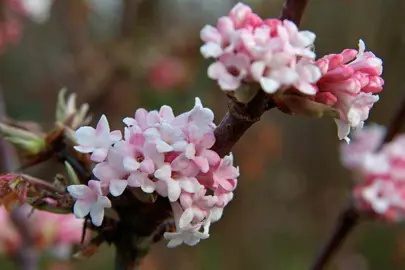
{"x": 225, "y": 175}
{"x": 174, "y": 183}
{"x": 364, "y": 141}
{"x": 189, "y": 235}
{"x": 96, "y": 141}
{"x": 230, "y": 70}
{"x": 90, "y": 199}
{"x": 351, "y": 85}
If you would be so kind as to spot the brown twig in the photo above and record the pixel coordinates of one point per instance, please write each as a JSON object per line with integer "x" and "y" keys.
{"x": 396, "y": 124}
{"x": 241, "y": 117}
{"x": 293, "y": 10}
{"x": 346, "y": 222}
{"x": 349, "y": 217}
{"x": 238, "y": 119}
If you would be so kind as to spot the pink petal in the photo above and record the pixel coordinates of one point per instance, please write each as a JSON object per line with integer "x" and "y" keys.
{"x": 210, "y": 34}
{"x": 202, "y": 163}
{"x": 212, "y": 157}
{"x": 95, "y": 186}
{"x": 153, "y": 118}
{"x": 102, "y": 126}
{"x": 147, "y": 166}
{"x": 166, "y": 112}
{"x": 140, "y": 117}
{"x": 216, "y": 70}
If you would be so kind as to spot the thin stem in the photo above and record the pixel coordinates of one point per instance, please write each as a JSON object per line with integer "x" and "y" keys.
{"x": 293, "y": 10}
{"x": 396, "y": 124}
{"x": 346, "y": 222}
{"x": 41, "y": 183}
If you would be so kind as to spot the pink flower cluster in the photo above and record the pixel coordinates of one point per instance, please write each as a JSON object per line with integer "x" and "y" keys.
{"x": 56, "y": 233}
{"x": 278, "y": 56}
{"x": 349, "y": 83}
{"x": 381, "y": 174}
{"x": 271, "y": 52}
{"x": 161, "y": 153}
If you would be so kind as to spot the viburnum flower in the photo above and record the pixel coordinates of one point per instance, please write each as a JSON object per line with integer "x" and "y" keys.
{"x": 96, "y": 141}
{"x": 189, "y": 234}
{"x": 164, "y": 154}
{"x": 365, "y": 141}
{"x": 90, "y": 199}
{"x": 271, "y": 52}
{"x": 380, "y": 187}
{"x": 349, "y": 83}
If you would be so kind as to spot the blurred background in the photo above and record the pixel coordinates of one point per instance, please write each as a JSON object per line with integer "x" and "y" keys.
{"x": 119, "y": 55}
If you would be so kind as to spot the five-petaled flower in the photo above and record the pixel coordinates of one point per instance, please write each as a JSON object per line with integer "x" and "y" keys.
{"x": 90, "y": 199}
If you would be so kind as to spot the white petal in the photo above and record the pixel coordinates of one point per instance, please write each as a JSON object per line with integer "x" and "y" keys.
{"x": 343, "y": 130}
{"x": 82, "y": 208}
{"x": 163, "y": 147}
{"x": 104, "y": 202}
{"x": 78, "y": 191}
{"x": 83, "y": 149}
{"x": 117, "y": 187}
{"x": 85, "y": 136}
{"x": 186, "y": 218}
{"x": 148, "y": 186}
{"x": 190, "y": 151}
{"x": 115, "y": 135}
{"x": 97, "y": 216}
{"x": 174, "y": 242}
{"x": 173, "y": 190}
{"x": 129, "y": 121}
{"x": 136, "y": 179}
{"x": 211, "y": 49}
{"x": 130, "y": 164}
{"x": 164, "y": 173}
{"x": 269, "y": 86}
